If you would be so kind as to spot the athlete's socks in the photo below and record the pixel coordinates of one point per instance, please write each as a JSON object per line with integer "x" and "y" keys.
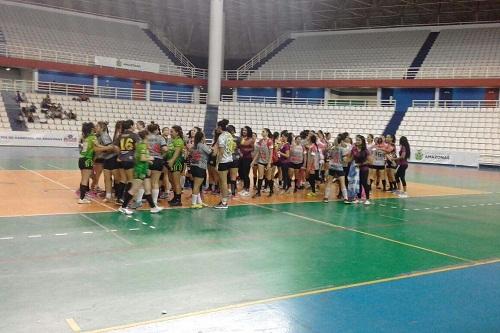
{"x": 155, "y": 193}
{"x": 233, "y": 187}
{"x": 139, "y": 195}
{"x": 126, "y": 199}
{"x": 259, "y": 185}
{"x": 271, "y": 186}
{"x": 150, "y": 201}
{"x": 384, "y": 184}
{"x": 83, "y": 190}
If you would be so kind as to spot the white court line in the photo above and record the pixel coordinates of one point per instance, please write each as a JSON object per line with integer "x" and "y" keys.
{"x": 393, "y": 217}
{"x": 6, "y": 238}
{"x": 35, "y": 236}
{"x": 105, "y": 228}
{"x": 63, "y": 234}
{"x": 87, "y": 232}
{"x": 152, "y": 227}
{"x": 64, "y": 186}
{"x": 331, "y": 225}
{"x": 52, "y": 214}
{"x": 54, "y": 166}
{"x": 134, "y": 229}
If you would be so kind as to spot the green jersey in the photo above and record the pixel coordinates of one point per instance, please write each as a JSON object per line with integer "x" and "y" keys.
{"x": 87, "y": 153}
{"x": 141, "y": 168}
{"x": 175, "y": 144}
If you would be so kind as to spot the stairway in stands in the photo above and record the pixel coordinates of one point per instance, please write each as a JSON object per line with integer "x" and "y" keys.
{"x": 3, "y": 42}
{"x": 421, "y": 55}
{"x": 12, "y": 109}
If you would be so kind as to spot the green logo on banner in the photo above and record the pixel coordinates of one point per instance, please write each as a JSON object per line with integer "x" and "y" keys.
{"x": 118, "y": 63}
{"x": 419, "y": 155}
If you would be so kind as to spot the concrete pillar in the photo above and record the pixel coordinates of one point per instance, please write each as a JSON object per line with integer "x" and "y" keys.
{"x": 436, "y": 97}
{"x": 379, "y": 96}
{"x": 96, "y": 84}
{"x": 235, "y": 94}
{"x": 148, "y": 90}
{"x": 328, "y": 95}
{"x": 196, "y": 95}
{"x": 215, "y": 51}
{"x": 35, "y": 79}
{"x": 278, "y": 96}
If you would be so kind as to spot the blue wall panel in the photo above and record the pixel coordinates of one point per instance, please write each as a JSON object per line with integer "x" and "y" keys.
{"x": 405, "y": 97}
{"x": 68, "y": 78}
{"x": 469, "y": 93}
{"x": 109, "y": 81}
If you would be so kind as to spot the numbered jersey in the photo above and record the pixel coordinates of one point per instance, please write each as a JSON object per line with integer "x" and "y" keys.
{"x": 378, "y": 156}
{"x": 127, "y": 142}
{"x": 228, "y": 145}
{"x": 335, "y": 159}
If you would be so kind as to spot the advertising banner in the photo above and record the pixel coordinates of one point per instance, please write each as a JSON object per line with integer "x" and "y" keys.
{"x": 40, "y": 139}
{"x": 464, "y": 158}
{"x": 127, "y": 64}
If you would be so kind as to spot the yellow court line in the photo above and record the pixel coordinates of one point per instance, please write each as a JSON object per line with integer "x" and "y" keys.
{"x": 336, "y": 226}
{"x": 73, "y": 325}
{"x": 292, "y": 296}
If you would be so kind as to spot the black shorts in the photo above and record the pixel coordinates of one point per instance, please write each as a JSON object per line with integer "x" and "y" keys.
{"x": 157, "y": 165}
{"x": 126, "y": 165}
{"x": 235, "y": 164}
{"x": 198, "y": 172}
{"x": 99, "y": 160}
{"x": 212, "y": 161}
{"x": 391, "y": 166}
{"x": 377, "y": 167}
{"x": 224, "y": 166}
{"x": 296, "y": 166}
{"x": 111, "y": 163}
{"x": 336, "y": 173}
{"x": 84, "y": 164}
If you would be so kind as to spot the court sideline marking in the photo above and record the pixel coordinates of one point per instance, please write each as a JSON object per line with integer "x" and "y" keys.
{"x": 297, "y": 295}
{"x": 82, "y": 214}
{"x": 331, "y": 225}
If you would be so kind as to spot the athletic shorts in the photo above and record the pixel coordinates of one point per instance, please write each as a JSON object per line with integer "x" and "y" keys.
{"x": 296, "y": 166}
{"x": 235, "y": 164}
{"x": 177, "y": 167}
{"x": 212, "y": 161}
{"x": 377, "y": 167}
{"x": 157, "y": 164}
{"x": 198, "y": 172}
{"x": 99, "y": 160}
{"x": 85, "y": 164}
{"x": 126, "y": 165}
{"x": 111, "y": 163}
{"x": 224, "y": 166}
{"x": 391, "y": 166}
{"x": 141, "y": 174}
{"x": 336, "y": 173}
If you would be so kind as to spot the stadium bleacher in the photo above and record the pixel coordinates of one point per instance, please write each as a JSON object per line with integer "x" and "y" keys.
{"x": 112, "y": 110}
{"x": 349, "y": 51}
{"x": 465, "y": 48}
{"x": 295, "y": 118}
{"x": 4, "y": 118}
{"x": 48, "y": 30}
{"x": 455, "y": 129}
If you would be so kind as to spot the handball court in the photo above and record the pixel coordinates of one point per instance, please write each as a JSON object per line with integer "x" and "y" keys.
{"x": 430, "y": 262}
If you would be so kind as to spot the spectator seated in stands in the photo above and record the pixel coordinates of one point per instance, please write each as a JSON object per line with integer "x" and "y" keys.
{"x": 82, "y": 98}
{"x": 32, "y": 108}
{"x": 19, "y": 98}
{"x": 46, "y": 102}
{"x": 70, "y": 115}
{"x": 56, "y": 112}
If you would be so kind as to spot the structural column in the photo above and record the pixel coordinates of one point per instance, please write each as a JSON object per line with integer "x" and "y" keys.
{"x": 148, "y": 90}
{"x": 235, "y": 94}
{"x": 436, "y": 97}
{"x": 379, "y": 96}
{"x": 215, "y": 51}
{"x": 196, "y": 95}
{"x": 35, "y": 79}
{"x": 96, "y": 84}
{"x": 278, "y": 96}
{"x": 327, "y": 96}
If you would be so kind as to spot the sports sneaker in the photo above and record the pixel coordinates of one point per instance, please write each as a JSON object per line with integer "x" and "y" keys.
{"x": 125, "y": 211}
{"x": 156, "y": 209}
{"x": 91, "y": 194}
{"x": 245, "y": 194}
{"x": 348, "y": 202}
{"x": 203, "y": 205}
{"x": 266, "y": 190}
{"x": 311, "y": 194}
{"x": 84, "y": 201}
{"x": 367, "y": 202}
{"x": 136, "y": 204}
{"x": 196, "y": 206}
{"x": 355, "y": 201}
{"x": 175, "y": 203}
{"x": 325, "y": 200}
{"x": 403, "y": 195}
{"x": 221, "y": 206}
{"x": 256, "y": 195}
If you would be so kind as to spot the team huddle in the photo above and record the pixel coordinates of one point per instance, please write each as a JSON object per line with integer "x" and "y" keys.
{"x": 144, "y": 162}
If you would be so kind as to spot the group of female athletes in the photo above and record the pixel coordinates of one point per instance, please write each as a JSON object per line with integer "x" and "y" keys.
{"x": 142, "y": 162}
